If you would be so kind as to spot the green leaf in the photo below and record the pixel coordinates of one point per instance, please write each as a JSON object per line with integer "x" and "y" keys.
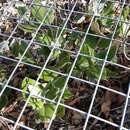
{"x": 35, "y": 103}
{"x": 45, "y": 51}
{"x": 44, "y": 38}
{"x": 107, "y": 73}
{"x": 121, "y": 29}
{"x": 3, "y": 101}
{"x": 61, "y": 111}
{"x": 67, "y": 94}
{"x": 21, "y": 10}
{"x": 53, "y": 88}
{"x": 104, "y": 43}
{"x": 28, "y": 27}
{"x": 112, "y": 53}
{"x": 41, "y": 113}
{"x": 50, "y": 90}
{"x": 82, "y": 62}
{"x": 22, "y": 47}
{"x": 46, "y": 112}
{"x": 18, "y": 48}
{"x": 25, "y": 84}
{"x": 91, "y": 41}
{"x": 96, "y": 28}
{"x": 47, "y": 76}
{"x": 49, "y": 110}
{"x": 125, "y": 13}
{"x": 107, "y": 23}
{"x": 94, "y": 71}
{"x": 63, "y": 60}
{"x": 39, "y": 12}
{"x": 102, "y": 54}
{"x": 2, "y": 73}
{"x": 59, "y": 82}
{"x": 108, "y": 10}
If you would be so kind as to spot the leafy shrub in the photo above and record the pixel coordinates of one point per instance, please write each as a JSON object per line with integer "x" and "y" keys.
{"x": 94, "y": 46}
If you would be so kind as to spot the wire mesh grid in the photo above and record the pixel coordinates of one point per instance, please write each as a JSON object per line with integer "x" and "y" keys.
{"x": 85, "y": 110}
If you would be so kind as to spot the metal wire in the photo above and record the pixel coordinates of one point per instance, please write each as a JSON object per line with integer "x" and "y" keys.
{"x": 44, "y": 65}
{"x": 128, "y": 58}
{"x": 68, "y": 76}
{"x": 125, "y": 108}
{"x": 96, "y": 89}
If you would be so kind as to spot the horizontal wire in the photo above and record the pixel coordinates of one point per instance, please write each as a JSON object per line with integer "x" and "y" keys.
{"x": 78, "y": 31}
{"x": 81, "y": 12}
{"x": 84, "y": 81}
{"x": 48, "y": 58}
{"x": 70, "y": 73}
{"x": 64, "y": 105}
{"x": 13, "y": 122}
{"x": 44, "y": 18}
{"x": 73, "y": 77}
{"x": 125, "y": 108}
{"x": 19, "y": 59}
{"x": 102, "y": 69}
{"x": 73, "y": 52}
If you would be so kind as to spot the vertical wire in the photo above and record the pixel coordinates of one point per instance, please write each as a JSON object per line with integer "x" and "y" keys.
{"x": 125, "y": 108}
{"x": 69, "y": 75}
{"x": 23, "y": 53}
{"x": 19, "y": 117}
{"x": 24, "y": 107}
{"x": 102, "y": 69}
{"x": 79, "y": 79}
{"x": 19, "y": 60}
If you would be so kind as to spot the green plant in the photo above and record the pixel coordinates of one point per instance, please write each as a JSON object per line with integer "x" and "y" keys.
{"x": 86, "y": 67}
{"x": 5, "y": 97}
{"x": 50, "y": 89}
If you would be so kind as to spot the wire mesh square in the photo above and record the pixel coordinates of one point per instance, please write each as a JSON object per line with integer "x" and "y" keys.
{"x": 64, "y": 64}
